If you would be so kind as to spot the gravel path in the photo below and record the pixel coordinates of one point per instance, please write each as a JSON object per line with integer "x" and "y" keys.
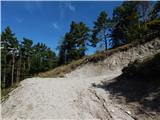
{"x": 60, "y": 98}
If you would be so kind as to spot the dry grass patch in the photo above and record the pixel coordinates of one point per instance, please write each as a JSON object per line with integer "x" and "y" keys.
{"x": 5, "y": 92}
{"x": 62, "y": 70}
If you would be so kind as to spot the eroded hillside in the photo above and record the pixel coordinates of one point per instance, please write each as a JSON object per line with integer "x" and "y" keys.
{"x": 83, "y": 93}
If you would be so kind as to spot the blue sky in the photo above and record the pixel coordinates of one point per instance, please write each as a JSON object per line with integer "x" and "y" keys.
{"x": 47, "y": 22}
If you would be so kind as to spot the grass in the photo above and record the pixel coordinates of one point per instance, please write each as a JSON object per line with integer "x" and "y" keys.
{"x": 5, "y": 92}
{"x": 62, "y": 70}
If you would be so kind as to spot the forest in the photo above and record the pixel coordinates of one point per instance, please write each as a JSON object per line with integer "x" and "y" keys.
{"x": 130, "y": 21}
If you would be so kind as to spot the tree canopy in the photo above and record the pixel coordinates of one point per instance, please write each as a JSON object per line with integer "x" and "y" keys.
{"x": 23, "y": 59}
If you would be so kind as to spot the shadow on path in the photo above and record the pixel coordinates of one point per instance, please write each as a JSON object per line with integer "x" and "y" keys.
{"x": 140, "y": 83}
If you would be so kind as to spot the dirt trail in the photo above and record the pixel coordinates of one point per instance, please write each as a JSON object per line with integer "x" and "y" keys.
{"x": 61, "y": 98}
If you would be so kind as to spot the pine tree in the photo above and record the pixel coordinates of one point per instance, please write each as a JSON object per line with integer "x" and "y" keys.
{"x": 43, "y": 58}
{"x": 80, "y": 34}
{"x": 62, "y": 55}
{"x": 27, "y": 51}
{"x": 9, "y": 52}
{"x": 155, "y": 12}
{"x": 125, "y": 23}
{"x": 17, "y": 58}
{"x": 100, "y": 30}
{"x": 74, "y": 43}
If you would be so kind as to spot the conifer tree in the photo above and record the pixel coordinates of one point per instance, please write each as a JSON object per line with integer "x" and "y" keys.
{"x": 100, "y": 30}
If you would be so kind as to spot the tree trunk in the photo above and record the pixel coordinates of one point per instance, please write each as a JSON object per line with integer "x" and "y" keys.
{"x": 18, "y": 70}
{"x": 13, "y": 61}
{"x": 4, "y": 72}
{"x": 17, "y": 78}
{"x": 20, "y": 62}
{"x": 105, "y": 40}
{"x": 24, "y": 69}
{"x": 29, "y": 65}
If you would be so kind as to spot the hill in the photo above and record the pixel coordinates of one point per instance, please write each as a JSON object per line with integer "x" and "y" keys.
{"x": 134, "y": 48}
{"x": 89, "y": 88}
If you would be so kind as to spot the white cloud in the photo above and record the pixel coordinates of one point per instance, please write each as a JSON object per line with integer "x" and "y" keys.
{"x": 55, "y": 25}
{"x": 64, "y": 7}
{"x": 71, "y": 7}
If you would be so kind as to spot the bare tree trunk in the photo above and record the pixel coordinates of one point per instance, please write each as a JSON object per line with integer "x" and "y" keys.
{"x": 105, "y": 39}
{"x": 20, "y": 62}
{"x": 17, "y": 78}
{"x": 29, "y": 65}
{"x": 24, "y": 68}
{"x": 18, "y": 70}
{"x": 106, "y": 47}
{"x": 24, "y": 65}
{"x": 13, "y": 61}
{"x": 4, "y": 72}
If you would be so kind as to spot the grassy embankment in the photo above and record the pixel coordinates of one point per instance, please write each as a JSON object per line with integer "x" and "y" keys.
{"x": 62, "y": 70}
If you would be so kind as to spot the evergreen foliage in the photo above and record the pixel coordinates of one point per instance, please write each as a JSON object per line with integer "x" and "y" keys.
{"x": 21, "y": 60}
{"x": 74, "y": 43}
